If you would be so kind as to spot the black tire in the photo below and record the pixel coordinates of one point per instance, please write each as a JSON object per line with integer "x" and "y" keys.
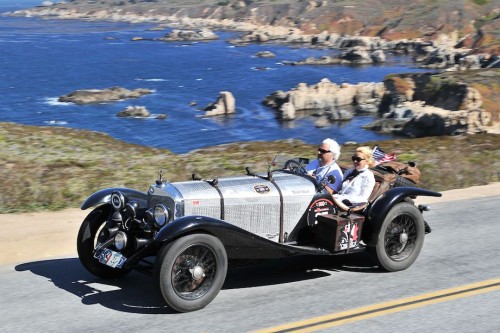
{"x": 191, "y": 271}
{"x": 86, "y": 242}
{"x": 400, "y": 238}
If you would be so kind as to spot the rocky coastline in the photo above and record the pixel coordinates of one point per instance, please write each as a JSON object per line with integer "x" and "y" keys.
{"x": 443, "y": 51}
{"x": 409, "y": 105}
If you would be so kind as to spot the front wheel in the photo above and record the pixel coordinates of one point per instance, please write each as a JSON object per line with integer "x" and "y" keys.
{"x": 400, "y": 238}
{"x": 88, "y": 237}
{"x": 191, "y": 271}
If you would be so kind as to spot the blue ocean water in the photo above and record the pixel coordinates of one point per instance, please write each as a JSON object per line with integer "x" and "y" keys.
{"x": 41, "y": 60}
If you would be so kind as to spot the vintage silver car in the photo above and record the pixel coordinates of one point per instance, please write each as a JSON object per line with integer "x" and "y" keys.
{"x": 194, "y": 227}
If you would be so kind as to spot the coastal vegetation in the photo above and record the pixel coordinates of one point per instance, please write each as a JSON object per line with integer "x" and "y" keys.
{"x": 50, "y": 168}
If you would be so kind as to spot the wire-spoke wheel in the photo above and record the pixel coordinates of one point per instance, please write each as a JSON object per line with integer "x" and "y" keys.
{"x": 401, "y": 237}
{"x": 191, "y": 271}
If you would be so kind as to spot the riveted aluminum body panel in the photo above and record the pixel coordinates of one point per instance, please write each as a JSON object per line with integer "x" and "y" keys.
{"x": 250, "y": 202}
{"x": 298, "y": 193}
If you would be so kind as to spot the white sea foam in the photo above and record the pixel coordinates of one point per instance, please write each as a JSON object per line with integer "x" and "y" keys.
{"x": 55, "y": 122}
{"x": 54, "y": 101}
{"x": 263, "y": 68}
{"x": 151, "y": 80}
{"x": 15, "y": 41}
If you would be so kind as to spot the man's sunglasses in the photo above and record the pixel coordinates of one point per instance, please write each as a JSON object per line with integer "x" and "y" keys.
{"x": 357, "y": 159}
{"x": 323, "y": 151}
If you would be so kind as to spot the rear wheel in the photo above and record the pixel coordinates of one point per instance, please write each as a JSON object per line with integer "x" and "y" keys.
{"x": 88, "y": 236}
{"x": 191, "y": 271}
{"x": 401, "y": 237}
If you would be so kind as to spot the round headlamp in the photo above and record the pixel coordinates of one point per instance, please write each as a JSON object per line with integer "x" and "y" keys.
{"x": 120, "y": 240}
{"x": 131, "y": 208}
{"x": 117, "y": 200}
{"x": 161, "y": 215}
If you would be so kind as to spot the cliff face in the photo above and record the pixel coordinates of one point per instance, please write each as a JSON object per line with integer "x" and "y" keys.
{"x": 413, "y": 105}
{"x": 449, "y": 90}
{"x": 468, "y": 23}
{"x": 445, "y": 103}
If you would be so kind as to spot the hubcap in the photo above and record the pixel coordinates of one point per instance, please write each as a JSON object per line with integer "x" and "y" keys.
{"x": 403, "y": 238}
{"x": 197, "y": 272}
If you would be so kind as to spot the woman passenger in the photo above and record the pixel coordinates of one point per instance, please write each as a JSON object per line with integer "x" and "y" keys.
{"x": 359, "y": 181}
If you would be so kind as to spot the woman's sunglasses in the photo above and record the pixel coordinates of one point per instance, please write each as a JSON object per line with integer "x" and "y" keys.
{"x": 323, "y": 151}
{"x": 357, "y": 159}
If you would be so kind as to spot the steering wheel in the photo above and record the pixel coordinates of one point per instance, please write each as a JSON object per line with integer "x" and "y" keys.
{"x": 295, "y": 167}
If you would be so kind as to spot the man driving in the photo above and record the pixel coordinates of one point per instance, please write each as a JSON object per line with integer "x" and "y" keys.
{"x": 325, "y": 165}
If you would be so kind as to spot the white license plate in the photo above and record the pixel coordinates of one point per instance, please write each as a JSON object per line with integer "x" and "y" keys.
{"x": 110, "y": 258}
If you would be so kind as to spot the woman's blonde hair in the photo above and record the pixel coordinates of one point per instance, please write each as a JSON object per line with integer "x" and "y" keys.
{"x": 367, "y": 154}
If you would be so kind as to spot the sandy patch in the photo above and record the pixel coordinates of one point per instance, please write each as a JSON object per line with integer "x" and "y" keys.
{"x": 33, "y": 236}
{"x": 38, "y": 236}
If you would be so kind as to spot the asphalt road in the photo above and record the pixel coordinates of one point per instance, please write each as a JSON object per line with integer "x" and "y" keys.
{"x": 60, "y": 296}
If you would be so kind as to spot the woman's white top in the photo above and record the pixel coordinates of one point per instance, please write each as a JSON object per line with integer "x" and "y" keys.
{"x": 358, "y": 189}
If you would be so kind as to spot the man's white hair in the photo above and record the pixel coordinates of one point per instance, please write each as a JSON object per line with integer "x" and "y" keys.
{"x": 333, "y": 146}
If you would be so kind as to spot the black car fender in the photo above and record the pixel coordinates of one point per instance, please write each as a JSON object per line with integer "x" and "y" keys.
{"x": 238, "y": 242}
{"x": 104, "y": 196}
{"x": 381, "y": 207}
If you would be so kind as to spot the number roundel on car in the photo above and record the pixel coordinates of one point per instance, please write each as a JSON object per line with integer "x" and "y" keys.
{"x": 319, "y": 207}
{"x": 262, "y": 189}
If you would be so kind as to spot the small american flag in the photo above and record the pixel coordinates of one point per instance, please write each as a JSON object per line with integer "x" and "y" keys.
{"x": 380, "y": 156}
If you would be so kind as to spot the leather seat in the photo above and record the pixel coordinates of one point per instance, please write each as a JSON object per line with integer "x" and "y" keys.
{"x": 383, "y": 182}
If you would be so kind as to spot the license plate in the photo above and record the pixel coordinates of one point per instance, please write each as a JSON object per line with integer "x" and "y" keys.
{"x": 110, "y": 258}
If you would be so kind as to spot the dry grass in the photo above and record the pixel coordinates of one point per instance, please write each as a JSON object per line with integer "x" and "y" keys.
{"x": 49, "y": 168}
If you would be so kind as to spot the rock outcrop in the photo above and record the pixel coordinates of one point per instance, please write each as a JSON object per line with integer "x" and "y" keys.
{"x": 89, "y": 96}
{"x": 324, "y": 97}
{"x": 134, "y": 111}
{"x": 177, "y": 35}
{"x": 225, "y": 104}
{"x": 265, "y": 54}
{"x": 356, "y": 56}
{"x": 413, "y": 105}
{"x": 417, "y": 105}
{"x": 415, "y": 119}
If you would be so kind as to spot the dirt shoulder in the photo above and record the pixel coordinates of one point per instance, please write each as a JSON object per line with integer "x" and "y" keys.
{"x": 37, "y": 236}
